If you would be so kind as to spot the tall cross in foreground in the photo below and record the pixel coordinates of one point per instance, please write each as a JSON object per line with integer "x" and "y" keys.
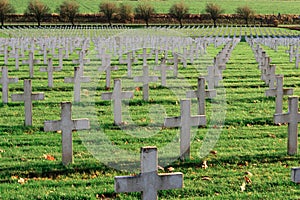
{"x": 148, "y": 181}
{"x": 66, "y": 125}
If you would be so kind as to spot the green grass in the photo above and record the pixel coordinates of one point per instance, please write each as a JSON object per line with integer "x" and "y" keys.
{"x": 196, "y": 7}
{"x": 249, "y": 142}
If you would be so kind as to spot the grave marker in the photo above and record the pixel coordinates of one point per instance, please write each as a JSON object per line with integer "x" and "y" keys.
{"x": 201, "y": 94}
{"x": 185, "y": 121}
{"x": 163, "y": 71}
{"x": 105, "y": 66}
{"x": 50, "y": 69}
{"x": 279, "y": 92}
{"x": 66, "y": 125}
{"x": 148, "y": 181}
{"x": 31, "y": 61}
{"x": 117, "y": 95}
{"x": 5, "y": 80}
{"x": 28, "y": 97}
{"x": 77, "y": 80}
{"x": 292, "y": 117}
{"x": 145, "y": 79}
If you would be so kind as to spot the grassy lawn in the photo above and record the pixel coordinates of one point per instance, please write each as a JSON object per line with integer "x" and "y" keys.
{"x": 249, "y": 159}
{"x": 196, "y": 7}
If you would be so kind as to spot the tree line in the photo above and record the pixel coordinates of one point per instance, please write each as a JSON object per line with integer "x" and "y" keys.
{"x": 69, "y": 10}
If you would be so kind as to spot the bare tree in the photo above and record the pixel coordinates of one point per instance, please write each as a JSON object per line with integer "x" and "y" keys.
{"x": 214, "y": 10}
{"x": 145, "y": 11}
{"x": 5, "y": 8}
{"x": 69, "y": 9}
{"x": 245, "y": 12}
{"x": 38, "y": 9}
{"x": 179, "y": 11}
{"x": 126, "y": 12}
{"x": 109, "y": 9}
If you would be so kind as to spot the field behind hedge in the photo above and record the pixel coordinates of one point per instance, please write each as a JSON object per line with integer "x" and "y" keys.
{"x": 196, "y": 7}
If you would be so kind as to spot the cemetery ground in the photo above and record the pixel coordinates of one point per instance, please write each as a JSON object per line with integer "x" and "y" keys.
{"x": 249, "y": 159}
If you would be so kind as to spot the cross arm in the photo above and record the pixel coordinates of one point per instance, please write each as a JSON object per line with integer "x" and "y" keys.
{"x": 128, "y": 183}
{"x": 198, "y": 120}
{"x": 17, "y": 97}
{"x": 281, "y": 118}
{"x": 270, "y": 92}
{"x": 52, "y": 126}
{"x": 191, "y": 94}
{"x": 13, "y": 80}
{"x": 69, "y": 80}
{"x": 127, "y": 95}
{"x": 170, "y": 181}
{"x": 107, "y": 95}
{"x": 172, "y": 122}
{"x": 288, "y": 91}
{"x": 210, "y": 93}
{"x": 37, "y": 96}
{"x": 81, "y": 124}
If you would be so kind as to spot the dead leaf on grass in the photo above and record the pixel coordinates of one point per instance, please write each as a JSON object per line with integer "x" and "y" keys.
{"x": 247, "y": 179}
{"x": 206, "y": 178}
{"x": 49, "y": 157}
{"x": 204, "y": 164}
{"x": 21, "y": 181}
{"x": 248, "y": 173}
{"x": 170, "y": 169}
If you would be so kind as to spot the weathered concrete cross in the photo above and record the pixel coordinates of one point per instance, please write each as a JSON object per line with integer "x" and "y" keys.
{"x": 66, "y": 125}
{"x": 201, "y": 94}
{"x": 185, "y": 121}
{"x": 28, "y": 97}
{"x": 292, "y": 117}
{"x": 149, "y": 181}
{"x": 163, "y": 67}
{"x": 117, "y": 95}
{"x": 50, "y": 69}
{"x": 279, "y": 92}
{"x": 5, "y": 80}
{"x": 31, "y": 61}
{"x": 145, "y": 79}
{"x": 77, "y": 80}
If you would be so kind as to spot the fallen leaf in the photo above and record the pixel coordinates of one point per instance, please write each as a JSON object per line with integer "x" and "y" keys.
{"x": 206, "y": 178}
{"x": 170, "y": 169}
{"x": 248, "y": 173}
{"x": 58, "y": 131}
{"x": 49, "y": 157}
{"x": 137, "y": 89}
{"x": 243, "y": 187}
{"x": 204, "y": 164}
{"x": 272, "y": 135}
{"x": 21, "y": 180}
{"x": 1, "y": 151}
{"x": 14, "y": 177}
{"x": 85, "y": 92}
{"x": 213, "y": 152}
{"x": 247, "y": 179}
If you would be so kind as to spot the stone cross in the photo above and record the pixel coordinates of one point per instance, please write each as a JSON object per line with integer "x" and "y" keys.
{"x": 105, "y": 66}
{"x": 163, "y": 72}
{"x": 145, "y": 79}
{"x": 117, "y": 95}
{"x": 292, "y": 117}
{"x": 279, "y": 92}
{"x": 185, "y": 121}
{"x": 5, "y": 80}
{"x": 50, "y": 69}
{"x": 268, "y": 75}
{"x": 28, "y": 97}
{"x": 77, "y": 80}
{"x": 213, "y": 77}
{"x": 145, "y": 56}
{"x": 31, "y": 62}
{"x": 201, "y": 94}
{"x": 148, "y": 181}
{"x": 66, "y": 125}
{"x": 297, "y": 61}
